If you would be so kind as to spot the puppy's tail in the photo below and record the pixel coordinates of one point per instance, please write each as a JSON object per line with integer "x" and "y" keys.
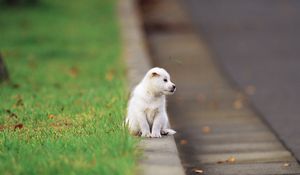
{"x": 168, "y": 132}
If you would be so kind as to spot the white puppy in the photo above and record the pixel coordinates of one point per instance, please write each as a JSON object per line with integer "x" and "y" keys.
{"x": 146, "y": 112}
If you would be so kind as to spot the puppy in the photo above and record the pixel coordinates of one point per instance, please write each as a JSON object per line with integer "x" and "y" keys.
{"x": 146, "y": 112}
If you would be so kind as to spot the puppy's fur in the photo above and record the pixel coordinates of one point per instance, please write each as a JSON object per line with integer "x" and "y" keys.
{"x": 146, "y": 112}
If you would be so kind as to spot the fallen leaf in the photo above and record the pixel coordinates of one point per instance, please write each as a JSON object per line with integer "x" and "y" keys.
{"x": 183, "y": 142}
{"x": 18, "y": 126}
{"x": 237, "y": 104}
{"x": 231, "y": 159}
{"x": 73, "y": 71}
{"x": 109, "y": 76}
{"x": 51, "y": 116}
{"x": 220, "y": 161}
{"x": 199, "y": 171}
{"x": 206, "y": 129}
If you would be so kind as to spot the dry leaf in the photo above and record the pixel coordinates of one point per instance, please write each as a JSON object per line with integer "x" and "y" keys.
{"x": 206, "y": 129}
{"x": 237, "y": 104}
{"x": 18, "y": 126}
{"x": 51, "y": 116}
{"x": 231, "y": 159}
{"x": 220, "y": 161}
{"x": 183, "y": 142}
{"x": 109, "y": 76}
{"x": 73, "y": 71}
{"x": 198, "y": 171}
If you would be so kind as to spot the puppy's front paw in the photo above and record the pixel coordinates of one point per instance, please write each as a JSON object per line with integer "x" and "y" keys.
{"x": 168, "y": 132}
{"x": 155, "y": 135}
{"x": 146, "y": 134}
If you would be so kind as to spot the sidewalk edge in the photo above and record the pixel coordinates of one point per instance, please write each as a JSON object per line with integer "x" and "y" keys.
{"x": 160, "y": 155}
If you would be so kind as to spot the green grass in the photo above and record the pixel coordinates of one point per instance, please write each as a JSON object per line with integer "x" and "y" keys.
{"x": 62, "y": 113}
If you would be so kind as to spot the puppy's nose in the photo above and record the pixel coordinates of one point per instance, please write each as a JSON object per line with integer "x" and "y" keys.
{"x": 174, "y": 86}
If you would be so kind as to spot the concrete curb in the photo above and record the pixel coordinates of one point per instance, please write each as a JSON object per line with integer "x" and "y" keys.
{"x": 160, "y": 155}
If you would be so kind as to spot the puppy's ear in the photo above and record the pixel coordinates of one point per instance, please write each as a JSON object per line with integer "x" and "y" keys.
{"x": 154, "y": 74}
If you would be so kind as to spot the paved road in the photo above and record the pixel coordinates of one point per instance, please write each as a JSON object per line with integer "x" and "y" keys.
{"x": 217, "y": 131}
{"x": 258, "y": 44}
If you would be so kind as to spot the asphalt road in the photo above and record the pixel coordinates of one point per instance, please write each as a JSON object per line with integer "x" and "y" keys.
{"x": 257, "y": 43}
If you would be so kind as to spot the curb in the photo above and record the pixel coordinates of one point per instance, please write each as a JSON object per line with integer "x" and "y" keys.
{"x": 160, "y": 155}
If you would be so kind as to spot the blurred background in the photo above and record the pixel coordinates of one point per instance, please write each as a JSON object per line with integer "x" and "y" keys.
{"x": 257, "y": 43}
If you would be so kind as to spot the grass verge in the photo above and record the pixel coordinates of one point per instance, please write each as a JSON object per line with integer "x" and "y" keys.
{"x": 63, "y": 111}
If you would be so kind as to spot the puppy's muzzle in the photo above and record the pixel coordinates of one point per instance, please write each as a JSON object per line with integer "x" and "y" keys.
{"x": 173, "y": 88}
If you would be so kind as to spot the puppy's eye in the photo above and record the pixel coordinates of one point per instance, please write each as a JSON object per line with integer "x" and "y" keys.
{"x": 165, "y": 80}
